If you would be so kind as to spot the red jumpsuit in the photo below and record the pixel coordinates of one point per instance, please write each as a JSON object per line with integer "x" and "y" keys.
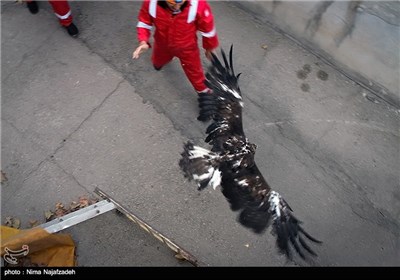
{"x": 62, "y": 11}
{"x": 176, "y": 35}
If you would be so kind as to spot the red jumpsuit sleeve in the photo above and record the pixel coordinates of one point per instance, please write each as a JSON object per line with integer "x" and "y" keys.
{"x": 205, "y": 24}
{"x": 145, "y": 23}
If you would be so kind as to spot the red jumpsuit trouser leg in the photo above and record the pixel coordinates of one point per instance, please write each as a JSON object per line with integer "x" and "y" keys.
{"x": 191, "y": 64}
{"x": 160, "y": 55}
{"x": 62, "y": 11}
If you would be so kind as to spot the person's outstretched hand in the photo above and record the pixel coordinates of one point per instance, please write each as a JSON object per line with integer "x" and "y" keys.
{"x": 143, "y": 46}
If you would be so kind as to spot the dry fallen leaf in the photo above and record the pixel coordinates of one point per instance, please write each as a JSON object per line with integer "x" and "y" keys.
{"x": 74, "y": 205}
{"x": 60, "y": 210}
{"x": 83, "y": 201}
{"x": 33, "y": 223}
{"x": 16, "y": 223}
{"x": 59, "y": 205}
{"x": 8, "y": 221}
{"x": 265, "y": 46}
{"x": 13, "y": 222}
{"x": 3, "y": 177}
{"x": 48, "y": 215}
{"x": 93, "y": 201}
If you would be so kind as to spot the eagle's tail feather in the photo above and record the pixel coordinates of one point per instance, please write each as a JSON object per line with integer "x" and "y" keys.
{"x": 287, "y": 228}
{"x": 200, "y": 165}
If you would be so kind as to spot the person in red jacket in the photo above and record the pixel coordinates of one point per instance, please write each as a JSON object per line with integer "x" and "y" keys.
{"x": 61, "y": 10}
{"x": 176, "y": 24}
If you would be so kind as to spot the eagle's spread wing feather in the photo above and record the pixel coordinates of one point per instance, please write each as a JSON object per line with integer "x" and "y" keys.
{"x": 230, "y": 163}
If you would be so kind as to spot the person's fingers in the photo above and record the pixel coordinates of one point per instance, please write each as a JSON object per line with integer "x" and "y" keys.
{"x": 139, "y": 50}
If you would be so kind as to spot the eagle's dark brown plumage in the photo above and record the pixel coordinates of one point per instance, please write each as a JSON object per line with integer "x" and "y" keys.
{"x": 230, "y": 163}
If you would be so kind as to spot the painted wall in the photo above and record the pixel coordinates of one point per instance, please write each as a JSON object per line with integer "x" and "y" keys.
{"x": 360, "y": 38}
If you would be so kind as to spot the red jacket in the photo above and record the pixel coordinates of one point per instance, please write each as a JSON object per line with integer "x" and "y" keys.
{"x": 178, "y": 31}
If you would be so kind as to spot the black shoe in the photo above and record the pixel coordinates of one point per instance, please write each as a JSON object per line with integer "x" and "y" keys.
{"x": 72, "y": 30}
{"x": 33, "y": 7}
{"x": 157, "y": 68}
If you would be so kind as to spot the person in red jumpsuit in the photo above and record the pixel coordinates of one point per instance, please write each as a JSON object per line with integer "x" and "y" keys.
{"x": 176, "y": 25}
{"x": 62, "y": 11}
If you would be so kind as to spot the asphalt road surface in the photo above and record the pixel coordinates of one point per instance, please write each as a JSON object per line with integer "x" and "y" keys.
{"x": 80, "y": 113}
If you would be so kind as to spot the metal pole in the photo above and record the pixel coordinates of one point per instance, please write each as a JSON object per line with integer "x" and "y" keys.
{"x": 180, "y": 253}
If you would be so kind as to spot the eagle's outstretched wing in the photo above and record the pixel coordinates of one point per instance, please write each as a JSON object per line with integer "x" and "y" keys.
{"x": 230, "y": 163}
{"x": 224, "y": 106}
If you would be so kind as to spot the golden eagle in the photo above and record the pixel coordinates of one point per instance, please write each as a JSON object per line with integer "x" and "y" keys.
{"x": 230, "y": 163}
